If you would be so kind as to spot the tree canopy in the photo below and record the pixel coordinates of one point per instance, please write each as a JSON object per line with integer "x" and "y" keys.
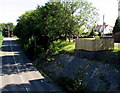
{"x": 7, "y": 29}
{"x": 54, "y": 21}
{"x": 117, "y": 26}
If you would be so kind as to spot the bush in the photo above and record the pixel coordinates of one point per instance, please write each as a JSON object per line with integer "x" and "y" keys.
{"x": 100, "y": 34}
{"x": 117, "y": 26}
{"x": 92, "y": 33}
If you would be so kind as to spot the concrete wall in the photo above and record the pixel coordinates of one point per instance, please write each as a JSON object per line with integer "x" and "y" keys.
{"x": 98, "y": 55}
{"x": 94, "y": 44}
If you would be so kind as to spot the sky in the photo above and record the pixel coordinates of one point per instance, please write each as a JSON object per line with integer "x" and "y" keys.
{"x": 108, "y": 8}
{"x": 10, "y": 10}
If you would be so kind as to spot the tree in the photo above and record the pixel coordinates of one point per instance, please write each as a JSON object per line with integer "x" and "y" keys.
{"x": 85, "y": 15}
{"x": 56, "y": 19}
{"x": 7, "y": 29}
{"x": 53, "y": 21}
{"x": 117, "y": 26}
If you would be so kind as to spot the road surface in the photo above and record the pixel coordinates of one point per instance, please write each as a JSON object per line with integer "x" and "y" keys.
{"x": 18, "y": 74}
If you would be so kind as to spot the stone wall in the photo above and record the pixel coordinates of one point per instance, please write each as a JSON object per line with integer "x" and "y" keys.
{"x": 99, "y": 77}
{"x": 98, "y": 55}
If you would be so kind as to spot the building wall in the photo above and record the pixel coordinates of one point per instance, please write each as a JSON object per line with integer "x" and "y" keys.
{"x": 108, "y": 30}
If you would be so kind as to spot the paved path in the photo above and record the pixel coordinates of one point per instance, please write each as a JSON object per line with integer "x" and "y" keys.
{"x": 18, "y": 74}
{"x": 117, "y": 44}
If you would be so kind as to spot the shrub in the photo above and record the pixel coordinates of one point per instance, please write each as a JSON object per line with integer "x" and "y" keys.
{"x": 117, "y": 26}
{"x": 100, "y": 34}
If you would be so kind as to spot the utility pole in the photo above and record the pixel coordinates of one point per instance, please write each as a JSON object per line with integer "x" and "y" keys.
{"x": 103, "y": 24}
{"x": 118, "y": 9}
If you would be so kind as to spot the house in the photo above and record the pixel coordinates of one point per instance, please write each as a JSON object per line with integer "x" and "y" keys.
{"x": 105, "y": 29}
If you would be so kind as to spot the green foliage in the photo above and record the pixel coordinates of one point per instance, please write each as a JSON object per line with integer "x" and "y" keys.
{"x": 7, "y": 29}
{"x": 15, "y": 37}
{"x": 58, "y": 47}
{"x": 85, "y": 34}
{"x": 92, "y": 33}
{"x": 53, "y": 21}
{"x": 117, "y": 26}
{"x": 100, "y": 34}
{"x": 1, "y": 39}
{"x": 84, "y": 13}
{"x": 116, "y": 50}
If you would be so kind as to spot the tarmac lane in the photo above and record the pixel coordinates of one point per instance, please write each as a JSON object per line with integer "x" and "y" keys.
{"x": 18, "y": 75}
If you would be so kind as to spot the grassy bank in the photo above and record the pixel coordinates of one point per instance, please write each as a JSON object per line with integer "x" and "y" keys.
{"x": 116, "y": 50}
{"x": 1, "y": 39}
{"x": 58, "y": 47}
{"x": 66, "y": 47}
{"x": 15, "y": 37}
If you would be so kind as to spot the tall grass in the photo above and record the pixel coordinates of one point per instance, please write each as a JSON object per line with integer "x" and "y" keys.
{"x": 58, "y": 47}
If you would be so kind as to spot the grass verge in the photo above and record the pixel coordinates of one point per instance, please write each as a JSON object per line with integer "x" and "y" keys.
{"x": 58, "y": 47}
{"x": 1, "y": 40}
{"x": 116, "y": 50}
{"x": 15, "y": 37}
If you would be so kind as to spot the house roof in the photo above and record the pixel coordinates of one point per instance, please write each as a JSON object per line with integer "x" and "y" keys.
{"x": 101, "y": 26}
